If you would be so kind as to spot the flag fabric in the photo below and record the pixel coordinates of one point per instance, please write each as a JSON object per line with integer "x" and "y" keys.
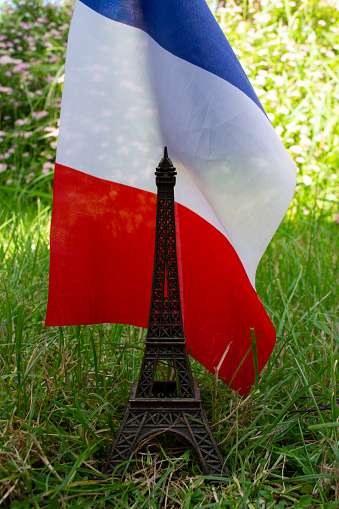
{"x": 142, "y": 74}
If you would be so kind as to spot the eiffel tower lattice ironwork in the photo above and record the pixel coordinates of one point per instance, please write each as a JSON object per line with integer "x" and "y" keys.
{"x": 161, "y": 402}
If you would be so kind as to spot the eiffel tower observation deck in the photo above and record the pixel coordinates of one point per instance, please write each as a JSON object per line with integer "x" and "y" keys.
{"x": 165, "y": 398}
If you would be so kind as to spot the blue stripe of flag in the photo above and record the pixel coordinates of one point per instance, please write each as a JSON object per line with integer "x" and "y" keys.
{"x": 185, "y": 28}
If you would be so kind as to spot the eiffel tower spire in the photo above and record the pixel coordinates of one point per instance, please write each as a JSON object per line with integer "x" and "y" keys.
{"x": 165, "y": 397}
{"x": 165, "y": 320}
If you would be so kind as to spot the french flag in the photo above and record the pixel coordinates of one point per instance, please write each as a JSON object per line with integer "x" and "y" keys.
{"x": 142, "y": 74}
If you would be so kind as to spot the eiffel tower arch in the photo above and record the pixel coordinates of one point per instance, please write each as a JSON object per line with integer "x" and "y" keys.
{"x": 163, "y": 402}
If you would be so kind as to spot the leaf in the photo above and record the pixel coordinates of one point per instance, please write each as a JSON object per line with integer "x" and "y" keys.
{"x": 316, "y": 427}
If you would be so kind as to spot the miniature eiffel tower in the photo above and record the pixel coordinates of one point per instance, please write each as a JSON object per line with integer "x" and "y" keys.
{"x": 174, "y": 404}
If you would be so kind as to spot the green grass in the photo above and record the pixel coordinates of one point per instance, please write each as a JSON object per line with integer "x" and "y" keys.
{"x": 63, "y": 390}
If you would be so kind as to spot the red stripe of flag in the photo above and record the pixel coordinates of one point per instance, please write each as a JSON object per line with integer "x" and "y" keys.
{"x": 102, "y": 252}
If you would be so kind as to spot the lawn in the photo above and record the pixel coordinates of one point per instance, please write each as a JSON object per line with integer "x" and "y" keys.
{"x": 63, "y": 390}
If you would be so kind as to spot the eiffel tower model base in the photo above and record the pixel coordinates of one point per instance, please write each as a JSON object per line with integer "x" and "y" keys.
{"x": 149, "y": 417}
{"x": 171, "y": 404}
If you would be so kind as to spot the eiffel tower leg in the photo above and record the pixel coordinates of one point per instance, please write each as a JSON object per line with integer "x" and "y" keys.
{"x": 193, "y": 426}
{"x": 124, "y": 443}
{"x": 205, "y": 445}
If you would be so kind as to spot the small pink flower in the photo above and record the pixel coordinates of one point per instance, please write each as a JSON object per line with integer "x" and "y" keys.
{"x": 52, "y": 130}
{"x": 25, "y": 154}
{"x": 6, "y": 90}
{"x": 3, "y": 167}
{"x": 21, "y": 121}
{"x": 57, "y": 103}
{"x": 5, "y": 59}
{"x": 53, "y": 145}
{"x": 29, "y": 177}
{"x": 47, "y": 167}
{"x": 48, "y": 155}
{"x": 13, "y": 101}
{"x": 39, "y": 114}
{"x": 20, "y": 67}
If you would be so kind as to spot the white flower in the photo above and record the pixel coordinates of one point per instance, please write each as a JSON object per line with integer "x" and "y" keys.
{"x": 295, "y": 149}
{"x": 311, "y": 37}
{"x": 292, "y": 127}
{"x": 305, "y": 141}
{"x": 238, "y": 52}
{"x": 307, "y": 180}
{"x": 272, "y": 95}
{"x": 259, "y": 91}
{"x": 260, "y": 80}
{"x": 283, "y": 110}
{"x": 279, "y": 80}
{"x": 288, "y": 56}
{"x": 302, "y": 117}
{"x": 262, "y": 17}
{"x": 262, "y": 52}
{"x": 330, "y": 54}
{"x": 241, "y": 28}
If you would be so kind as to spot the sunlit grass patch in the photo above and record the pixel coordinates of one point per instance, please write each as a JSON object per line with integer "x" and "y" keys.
{"x": 290, "y": 53}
